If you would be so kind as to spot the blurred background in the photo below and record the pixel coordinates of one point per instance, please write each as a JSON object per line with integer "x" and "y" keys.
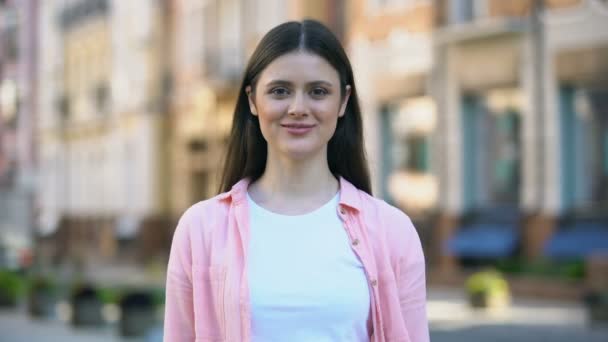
{"x": 486, "y": 121}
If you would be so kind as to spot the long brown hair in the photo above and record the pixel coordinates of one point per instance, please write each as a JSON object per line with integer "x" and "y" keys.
{"x": 247, "y": 148}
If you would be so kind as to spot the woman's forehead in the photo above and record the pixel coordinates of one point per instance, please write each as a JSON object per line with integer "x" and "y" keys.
{"x": 299, "y": 67}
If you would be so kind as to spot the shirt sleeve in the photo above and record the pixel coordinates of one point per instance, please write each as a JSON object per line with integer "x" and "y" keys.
{"x": 179, "y": 314}
{"x": 412, "y": 288}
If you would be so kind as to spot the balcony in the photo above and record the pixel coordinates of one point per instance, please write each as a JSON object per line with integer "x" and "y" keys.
{"x": 75, "y": 14}
{"x": 462, "y": 20}
{"x": 223, "y": 67}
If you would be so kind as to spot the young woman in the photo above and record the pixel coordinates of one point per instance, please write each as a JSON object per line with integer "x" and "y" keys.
{"x": 295, "y": 248}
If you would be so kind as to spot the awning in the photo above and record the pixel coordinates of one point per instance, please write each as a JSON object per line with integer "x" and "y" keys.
{"x": 484, "y": 241}
{"x": 578, "y": 241}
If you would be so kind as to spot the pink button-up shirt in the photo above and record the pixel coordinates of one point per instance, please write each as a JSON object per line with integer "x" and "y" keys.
{"x": 207, "y": 293}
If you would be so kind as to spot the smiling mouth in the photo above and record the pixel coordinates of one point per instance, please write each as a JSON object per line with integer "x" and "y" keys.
{"x": 297, "y": 125}
{"x": 298, "y": 129}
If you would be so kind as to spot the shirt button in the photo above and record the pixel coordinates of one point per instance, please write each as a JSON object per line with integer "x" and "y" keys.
{"x": 355, "y": 242}
{"x": 374, "y": 282}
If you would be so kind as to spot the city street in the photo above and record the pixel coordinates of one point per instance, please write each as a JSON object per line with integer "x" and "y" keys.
{"x": 18, "y": 328}
{"x": 450, "y": 319}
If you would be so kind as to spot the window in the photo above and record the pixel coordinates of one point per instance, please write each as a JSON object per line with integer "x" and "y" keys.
{"x": 63, "y": 107}
{"x": 412, "y": 124}
{"x": 390, "y": 4}
{"x": 491, "y": 152}
{"x": 584, "y": 128}
{"x": 460, "y": 11}
{"x": 503, "y": 160}
{"x": 464, "y": 11}
{"x": 12, "y": 46}
{"x": 101, "y": 98}
{"x": 417, "y": 153}
{"x": 197, "y": 146}
{"x": 200, "y": 186}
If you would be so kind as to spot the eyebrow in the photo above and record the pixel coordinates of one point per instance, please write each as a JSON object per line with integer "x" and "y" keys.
{"x": 288, "y": 83}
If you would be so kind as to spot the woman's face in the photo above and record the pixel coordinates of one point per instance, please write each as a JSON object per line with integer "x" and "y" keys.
{"x": 297, "y": 100}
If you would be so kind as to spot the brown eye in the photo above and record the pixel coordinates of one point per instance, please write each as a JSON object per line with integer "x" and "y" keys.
{"x": 279, "y": 91}
{"x": 319, "y": 92}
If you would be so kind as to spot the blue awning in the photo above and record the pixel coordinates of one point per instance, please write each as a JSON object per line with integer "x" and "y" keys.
{"x": 484, "y": 241}
{"x": 577, "y": 242}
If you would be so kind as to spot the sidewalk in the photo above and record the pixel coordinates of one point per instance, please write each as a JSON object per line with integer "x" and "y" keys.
{"x": 15, "y": 326}
{"x": 451, "y": 320}
{"x": 527, "y": 320}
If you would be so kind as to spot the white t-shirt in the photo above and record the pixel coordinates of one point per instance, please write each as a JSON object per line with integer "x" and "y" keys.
{"x": 305, "y": 282}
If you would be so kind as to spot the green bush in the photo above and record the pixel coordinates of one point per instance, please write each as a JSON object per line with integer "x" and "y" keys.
{"x": 159, "y": 296}
{"x": 12, "y": 288}
{"x": 488, "y": 289}
{"x": 109, "y": 295}
{"x": 572, "y": 270}
{"x": 41, "y": 283}
{"x": 488, "y": 281}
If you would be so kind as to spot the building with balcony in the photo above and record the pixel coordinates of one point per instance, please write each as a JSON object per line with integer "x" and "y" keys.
{"x": 102, "y": 159}
{"x": 510, "y": 135}
{"x": 485, "y": 122}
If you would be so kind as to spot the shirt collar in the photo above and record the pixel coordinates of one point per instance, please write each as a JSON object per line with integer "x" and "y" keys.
{"x": 238, "y": 192}
{"x": 349, "y": 194}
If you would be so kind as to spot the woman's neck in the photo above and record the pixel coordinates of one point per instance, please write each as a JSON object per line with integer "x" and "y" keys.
{"x": 294, "y": 187}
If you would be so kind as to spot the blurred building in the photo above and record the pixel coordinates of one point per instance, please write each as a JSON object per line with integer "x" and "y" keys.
{"x": 486, "y": 122}
{"x": 137, "y": 101}
{"x": 391, "y": 49}
{"x": 102, "y": 130}
{"x": 513, "y": 142}
{"x": 18, "y": 117}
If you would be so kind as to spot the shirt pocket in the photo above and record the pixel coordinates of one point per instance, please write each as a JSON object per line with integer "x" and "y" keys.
{"x": 390, "y": 306}
{"x": 208, "y": 299}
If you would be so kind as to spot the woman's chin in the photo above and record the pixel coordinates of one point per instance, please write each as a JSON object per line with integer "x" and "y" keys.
{"x": 301, "y": 153}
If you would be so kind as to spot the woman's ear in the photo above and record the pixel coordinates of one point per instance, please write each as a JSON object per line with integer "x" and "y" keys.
{"x": 344, "y": 100}
{"x": 250, "y": 98}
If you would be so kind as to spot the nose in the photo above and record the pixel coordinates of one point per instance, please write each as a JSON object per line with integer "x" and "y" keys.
{"x": 298, "y": 106}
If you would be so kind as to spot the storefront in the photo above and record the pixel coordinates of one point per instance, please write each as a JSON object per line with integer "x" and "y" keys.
{"x": 483, "y": 114}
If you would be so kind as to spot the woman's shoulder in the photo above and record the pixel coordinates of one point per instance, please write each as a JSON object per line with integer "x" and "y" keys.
{"x": 393, "y": 220}
{"x": 205, "y": 213}
{"x": 197, "y": 226}
{"x": 395, "y": 225}
{"x": 378, "y": 206}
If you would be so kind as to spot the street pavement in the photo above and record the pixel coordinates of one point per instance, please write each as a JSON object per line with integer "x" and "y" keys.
{"x": 449, "y": 316}
{"x": 17, "y": 328}
{"x": 527, "y": 320}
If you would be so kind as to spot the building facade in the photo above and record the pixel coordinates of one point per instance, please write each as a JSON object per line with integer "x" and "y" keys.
{"x": 509, "y": 127}
{"x": 138, "y": 98}
{"x": 102, "y": 130}
{"x": 391, "y": 48}
{"x": 486, "y": 120}
{"x": 18, "y": 117}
